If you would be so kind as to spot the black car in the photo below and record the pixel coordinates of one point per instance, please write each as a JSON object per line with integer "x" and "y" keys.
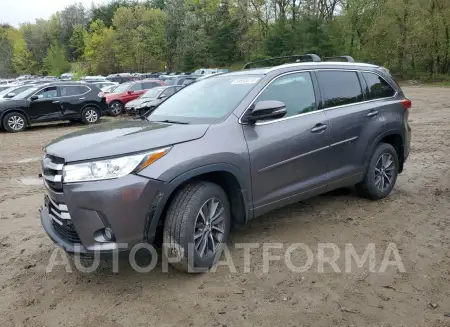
{"x": 150, "y": 99}
{"x": 52, "y": 102}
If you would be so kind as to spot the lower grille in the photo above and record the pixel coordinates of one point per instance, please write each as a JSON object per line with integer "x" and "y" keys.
{"x": 67, "y": 231}
{"x": 62, "y": 221}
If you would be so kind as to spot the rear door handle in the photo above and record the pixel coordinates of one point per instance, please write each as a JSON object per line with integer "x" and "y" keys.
{"x": 56, "y": 101}
{"x": 372, "y": 113}
{"x": 319, "y": 128}
{"x": 82, "y": 98}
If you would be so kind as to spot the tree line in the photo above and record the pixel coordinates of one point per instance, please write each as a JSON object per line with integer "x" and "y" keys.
{"x": 410, "y": 37}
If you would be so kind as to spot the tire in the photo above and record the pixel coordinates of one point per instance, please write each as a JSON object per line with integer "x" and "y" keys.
{"x": 116, "y": 108}
{"x": 377, "y": 185}
{"x": 90, "y": 115}
{"x": 14, "y": 122}
{"x": 184, "y": 221}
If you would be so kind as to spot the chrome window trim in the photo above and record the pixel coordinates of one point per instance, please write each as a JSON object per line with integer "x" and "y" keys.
{"x": 65, "y": 96}
{"x": 315, "y": 111}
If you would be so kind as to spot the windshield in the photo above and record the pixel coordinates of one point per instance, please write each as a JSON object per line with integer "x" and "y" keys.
{"x": 153, "y": 93}
{"x": 206, "y": 101}
{"x": 26, "y": 93}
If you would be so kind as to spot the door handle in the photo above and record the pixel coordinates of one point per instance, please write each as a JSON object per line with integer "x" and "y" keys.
{"x": 82, "y": 98}
{"x": 56, "y": 101}
{"x": 319, "y": 128}
{"x": 372, "y": 113}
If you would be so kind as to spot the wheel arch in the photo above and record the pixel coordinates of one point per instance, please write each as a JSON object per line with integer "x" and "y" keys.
{"x": 393, "y": 137}
{"x": 225, "y": 175}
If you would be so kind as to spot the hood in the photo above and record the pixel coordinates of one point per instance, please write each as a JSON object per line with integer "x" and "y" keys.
{"x": 122, "y": 137}
{"x": 138, "y": 102}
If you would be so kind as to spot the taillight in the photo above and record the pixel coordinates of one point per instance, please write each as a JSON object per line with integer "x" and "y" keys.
{"x": 407, "y": 104}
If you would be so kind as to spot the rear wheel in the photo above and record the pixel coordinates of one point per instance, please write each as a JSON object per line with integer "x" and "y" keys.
{"x": 116, "y": 108}
{"x": 90, "y": 115}
{"x": 197, "y": 226}
{"x": 14, "y": 122}
{"x": 381, "y": 173}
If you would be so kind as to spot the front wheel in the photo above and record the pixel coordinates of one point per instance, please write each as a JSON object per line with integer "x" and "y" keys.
{"x": 14, "y": 122}
{"x": 381, "y": 173}
{"x": 197, "y": 226}
{"x": 116, "y": 108}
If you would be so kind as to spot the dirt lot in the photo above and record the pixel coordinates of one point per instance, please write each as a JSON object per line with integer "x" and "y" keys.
{"x": 415, "y": 217}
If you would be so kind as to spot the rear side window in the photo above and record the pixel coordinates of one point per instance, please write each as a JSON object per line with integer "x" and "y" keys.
{"x": 296, "y": 91}
{"x": 73, "y": 90}
{"x": 378, "y": 87}
{"x": 339, "y": 88}
{"x": 136, "y": 87}
{"x": 150, "y": 85}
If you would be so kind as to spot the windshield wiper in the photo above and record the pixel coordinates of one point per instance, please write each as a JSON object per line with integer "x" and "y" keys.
{"x": 172, "y": 121}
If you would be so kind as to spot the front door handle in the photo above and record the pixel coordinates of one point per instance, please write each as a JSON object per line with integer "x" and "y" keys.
{"x": 372, "y": 113}
{"x": 319, "y": 128}
{"x": 56, "y": 101}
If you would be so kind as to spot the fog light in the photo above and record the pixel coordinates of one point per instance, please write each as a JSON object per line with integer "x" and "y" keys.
{"x": 108, "y": 234}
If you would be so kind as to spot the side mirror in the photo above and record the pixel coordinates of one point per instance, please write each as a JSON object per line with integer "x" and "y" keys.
{"x": 34, "y": 98}
{"x": 130, "y": 92}
{"x": 162, "y": 96}
{"x": 10, "y": 95}
{"x": 264, "y": 110}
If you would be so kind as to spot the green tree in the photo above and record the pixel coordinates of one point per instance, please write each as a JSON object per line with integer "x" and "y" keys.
{"x": 23, "y": 61}
{"x": 76, "y": 43}
{"x": 99, "y": 48}
{"x": 55, "y": 63}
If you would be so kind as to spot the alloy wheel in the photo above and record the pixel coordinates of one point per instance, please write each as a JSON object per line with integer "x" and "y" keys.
{"x": 384, "y": 172}
{"x": 116, "y": 108}
{"x": 16, "y": 123}
{"x": 209, "y": 228}
{"x": 91, "y": 116}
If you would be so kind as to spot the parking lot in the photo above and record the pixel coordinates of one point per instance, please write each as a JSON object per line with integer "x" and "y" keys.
{"x": 415, "y": 218}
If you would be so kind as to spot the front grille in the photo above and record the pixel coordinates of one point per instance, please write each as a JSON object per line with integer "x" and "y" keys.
{"x": 52, "y": 172}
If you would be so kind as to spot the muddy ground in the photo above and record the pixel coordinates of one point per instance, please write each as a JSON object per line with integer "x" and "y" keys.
{"x": 415, "y": 218}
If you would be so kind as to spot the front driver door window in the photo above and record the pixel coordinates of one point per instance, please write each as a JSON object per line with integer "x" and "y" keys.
{"x": 47, "y": 105}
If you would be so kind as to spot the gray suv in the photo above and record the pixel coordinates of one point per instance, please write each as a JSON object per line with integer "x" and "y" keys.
{"x": 222, "y": 151}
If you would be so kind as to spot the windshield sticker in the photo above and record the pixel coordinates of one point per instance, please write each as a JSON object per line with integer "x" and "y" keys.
{"x": 245, "y": 81}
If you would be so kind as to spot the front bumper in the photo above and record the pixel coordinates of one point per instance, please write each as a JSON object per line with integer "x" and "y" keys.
{"x": 124, "y": 205}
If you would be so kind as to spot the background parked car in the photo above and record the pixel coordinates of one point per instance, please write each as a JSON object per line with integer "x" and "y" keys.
{"x": 103, "y": 84}
{"x": 150, "y": 99}
{"x": 14, "y": 91}
{"x": 127, "y": 92}
{"x": 66, "y": 77}
{"x": 121, "y": 78}
{"x": 56, "y": 101}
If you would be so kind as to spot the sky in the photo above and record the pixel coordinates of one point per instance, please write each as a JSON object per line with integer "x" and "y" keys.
{"x": 15, "y": 12}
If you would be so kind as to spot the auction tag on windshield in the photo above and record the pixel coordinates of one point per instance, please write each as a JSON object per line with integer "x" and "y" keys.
{"x": 245, "y": 81}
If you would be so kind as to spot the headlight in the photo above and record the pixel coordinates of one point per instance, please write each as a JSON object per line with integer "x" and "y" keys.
{"x": 142, "y": 105}
{"x": 110, "y": 168}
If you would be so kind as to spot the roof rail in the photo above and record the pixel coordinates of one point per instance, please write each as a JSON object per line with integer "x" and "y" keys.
{"x": 297, "y": 58}
{"x": 346, "y": 58}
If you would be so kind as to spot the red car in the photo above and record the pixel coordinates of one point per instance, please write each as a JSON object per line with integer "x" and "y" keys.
{"x": 127, "y": 92}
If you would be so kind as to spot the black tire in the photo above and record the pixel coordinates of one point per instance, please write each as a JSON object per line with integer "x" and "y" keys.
{"x": 14, "y": 122}
{"x": 375, "y": 185}
{"x": 116, "y": 108}
{"x": 182, "y": 223}
{"x": 90, "y": 115}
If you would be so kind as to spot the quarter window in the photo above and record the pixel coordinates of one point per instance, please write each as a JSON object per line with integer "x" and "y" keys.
{"x": 378, "y": 87}
{"x": 296, "y": 91}
{"x": 339, "y": 88}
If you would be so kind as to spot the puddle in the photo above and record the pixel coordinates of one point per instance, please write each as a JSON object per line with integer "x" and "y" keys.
{"x": 31, "y": 181}
{"x": 29, "y": 160}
